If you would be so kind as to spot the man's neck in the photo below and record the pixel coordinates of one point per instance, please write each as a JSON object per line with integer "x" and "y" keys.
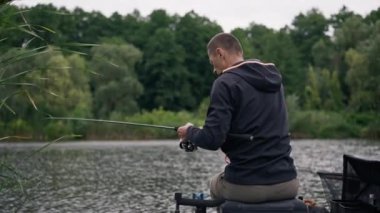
{"x": 235, "y": 60}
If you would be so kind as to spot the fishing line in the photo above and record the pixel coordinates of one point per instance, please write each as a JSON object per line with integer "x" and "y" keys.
{"x": 184, "y": 144}
{"x": 114, "y": 122}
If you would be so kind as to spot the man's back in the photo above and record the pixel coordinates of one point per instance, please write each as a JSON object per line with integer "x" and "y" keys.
{"x": 247, "y": 119}
{"x": 258, "y": 110}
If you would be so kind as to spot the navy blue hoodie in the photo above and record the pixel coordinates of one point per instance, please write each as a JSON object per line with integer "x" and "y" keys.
{"x": 248, "y": 100}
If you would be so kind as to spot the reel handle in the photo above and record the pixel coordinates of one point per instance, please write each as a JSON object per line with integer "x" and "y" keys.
{"x": 187, "y": 146}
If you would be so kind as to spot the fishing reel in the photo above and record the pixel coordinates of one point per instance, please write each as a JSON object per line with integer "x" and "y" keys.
{"x": 187, "y": 146}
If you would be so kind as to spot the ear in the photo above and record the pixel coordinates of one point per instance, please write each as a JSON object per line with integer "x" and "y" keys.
{"x": 219, "y": 51}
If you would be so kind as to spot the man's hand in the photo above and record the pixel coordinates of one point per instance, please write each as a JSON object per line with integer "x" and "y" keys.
{"x": 182, "y": 130}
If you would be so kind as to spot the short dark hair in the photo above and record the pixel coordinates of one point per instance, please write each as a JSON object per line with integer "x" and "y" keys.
{"x": 225, "y": 41}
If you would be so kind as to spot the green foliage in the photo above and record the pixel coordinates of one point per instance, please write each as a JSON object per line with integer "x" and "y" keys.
{"x": 203, "y": 107}
{"x": 351, "y": 33}
{"x": 13, "y": 28}
{"x": 245, "y": 40}
{"x": 14, "y": 67}
{"x": 56, "y": 76}
{"x": 312, "y": 96}
{"x": 53, "y": 85}
{"x": 163, "y": 117}
{"x": 323, "y": 90}
{"x": 287, "y": 59}
{"x": 371, "y": 48}
{"x": 338, "y": 19}
{"x": 115, "y": 85}
{"x": 16, "y": 64}
{"x": 165, "y": 74}
{"x": 20, "y": 128}
{"x": 322, "y": 124}
{"x": 18, "y": 76}
{"x": 156, "y": 117}
{"x": 372, "y": 131}
{"x": 193, "y": 33}
{"x": 358, "y": 79}
{"x": 331, "y": 93}
{"x": 293, "y": 107}
{"x": 368, "y": 124}
{"x": 308, "y": 29}
{"x": 160, "y": 62}
{"x": 56, "y": 129}
{"x": 373, "y": 16}
{"x": 271, "y": 46}
{"x": 323, "y": 54}
{"x": 327, "y": 124}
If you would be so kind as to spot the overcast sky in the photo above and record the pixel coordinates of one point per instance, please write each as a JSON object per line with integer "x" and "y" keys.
{"x": 229, "y": 14}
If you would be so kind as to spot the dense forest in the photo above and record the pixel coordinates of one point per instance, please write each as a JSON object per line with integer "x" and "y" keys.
{"x": 155, "y": 69}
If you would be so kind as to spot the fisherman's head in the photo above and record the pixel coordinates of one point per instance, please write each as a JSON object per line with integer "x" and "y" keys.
{"x": 223, "y": 51}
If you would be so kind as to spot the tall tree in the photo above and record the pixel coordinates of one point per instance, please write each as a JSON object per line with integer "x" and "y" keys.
{"x": 280, "y": 49}
{"x": 371, "y": 48}
{"x": 43, "y": 21}
{"x": 373, "y": 17}
{"x": 193, "y": 33}
{"x": 330, "y": 90}
{"x": 257, "y": 36}
{"x": 80, "y": 78}
{"x": 351, "y": 33}
{"x": 164, "y": 73}
{"x": 339, "y": 18}
{"x": 56, "y": 76}
{"x": 15, "y": 63}
{"x": 358, "y": 81}
{"x": 312, "y": 95}
{"x": 11, "y": 30}
{"x": 115, "y": 85}
{"x": 245, "y": 40}
{"x": 158, "y": 19}
{"x": 277, "y": 47}
{"x": 48, "y": 87}
{"x": 132, "y": 29}
{"x": 323, "y": 90}
{"x": 307, "y": 30}
{"x": 323, "y": 54}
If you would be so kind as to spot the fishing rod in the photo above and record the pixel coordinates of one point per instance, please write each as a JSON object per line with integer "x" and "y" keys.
{"x": 184, "y": 144}
{"x": 114, "y": 122}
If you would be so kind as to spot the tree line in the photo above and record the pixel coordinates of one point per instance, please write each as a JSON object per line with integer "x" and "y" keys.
{"x": 155, "y": 69}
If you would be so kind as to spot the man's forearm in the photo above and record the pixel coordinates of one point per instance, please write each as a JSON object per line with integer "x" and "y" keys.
{"x": 204, "y": 138}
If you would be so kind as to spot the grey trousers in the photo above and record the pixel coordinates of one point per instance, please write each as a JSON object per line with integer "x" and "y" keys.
{"x": 221, "y": 189}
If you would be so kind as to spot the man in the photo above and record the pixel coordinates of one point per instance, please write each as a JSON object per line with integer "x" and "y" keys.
{"x": 247, "y": 120}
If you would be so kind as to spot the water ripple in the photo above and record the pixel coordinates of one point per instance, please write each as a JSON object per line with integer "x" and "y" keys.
{"x": 143, "y": 176}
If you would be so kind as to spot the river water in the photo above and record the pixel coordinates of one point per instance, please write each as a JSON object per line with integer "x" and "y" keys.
{"x": 142, "y": 176}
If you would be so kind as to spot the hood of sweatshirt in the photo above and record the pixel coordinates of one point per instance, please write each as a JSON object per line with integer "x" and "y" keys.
{"x": 263, "y": 76}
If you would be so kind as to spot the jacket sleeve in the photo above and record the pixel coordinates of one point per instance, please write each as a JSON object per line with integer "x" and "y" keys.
{"x": 218, "y": 121}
